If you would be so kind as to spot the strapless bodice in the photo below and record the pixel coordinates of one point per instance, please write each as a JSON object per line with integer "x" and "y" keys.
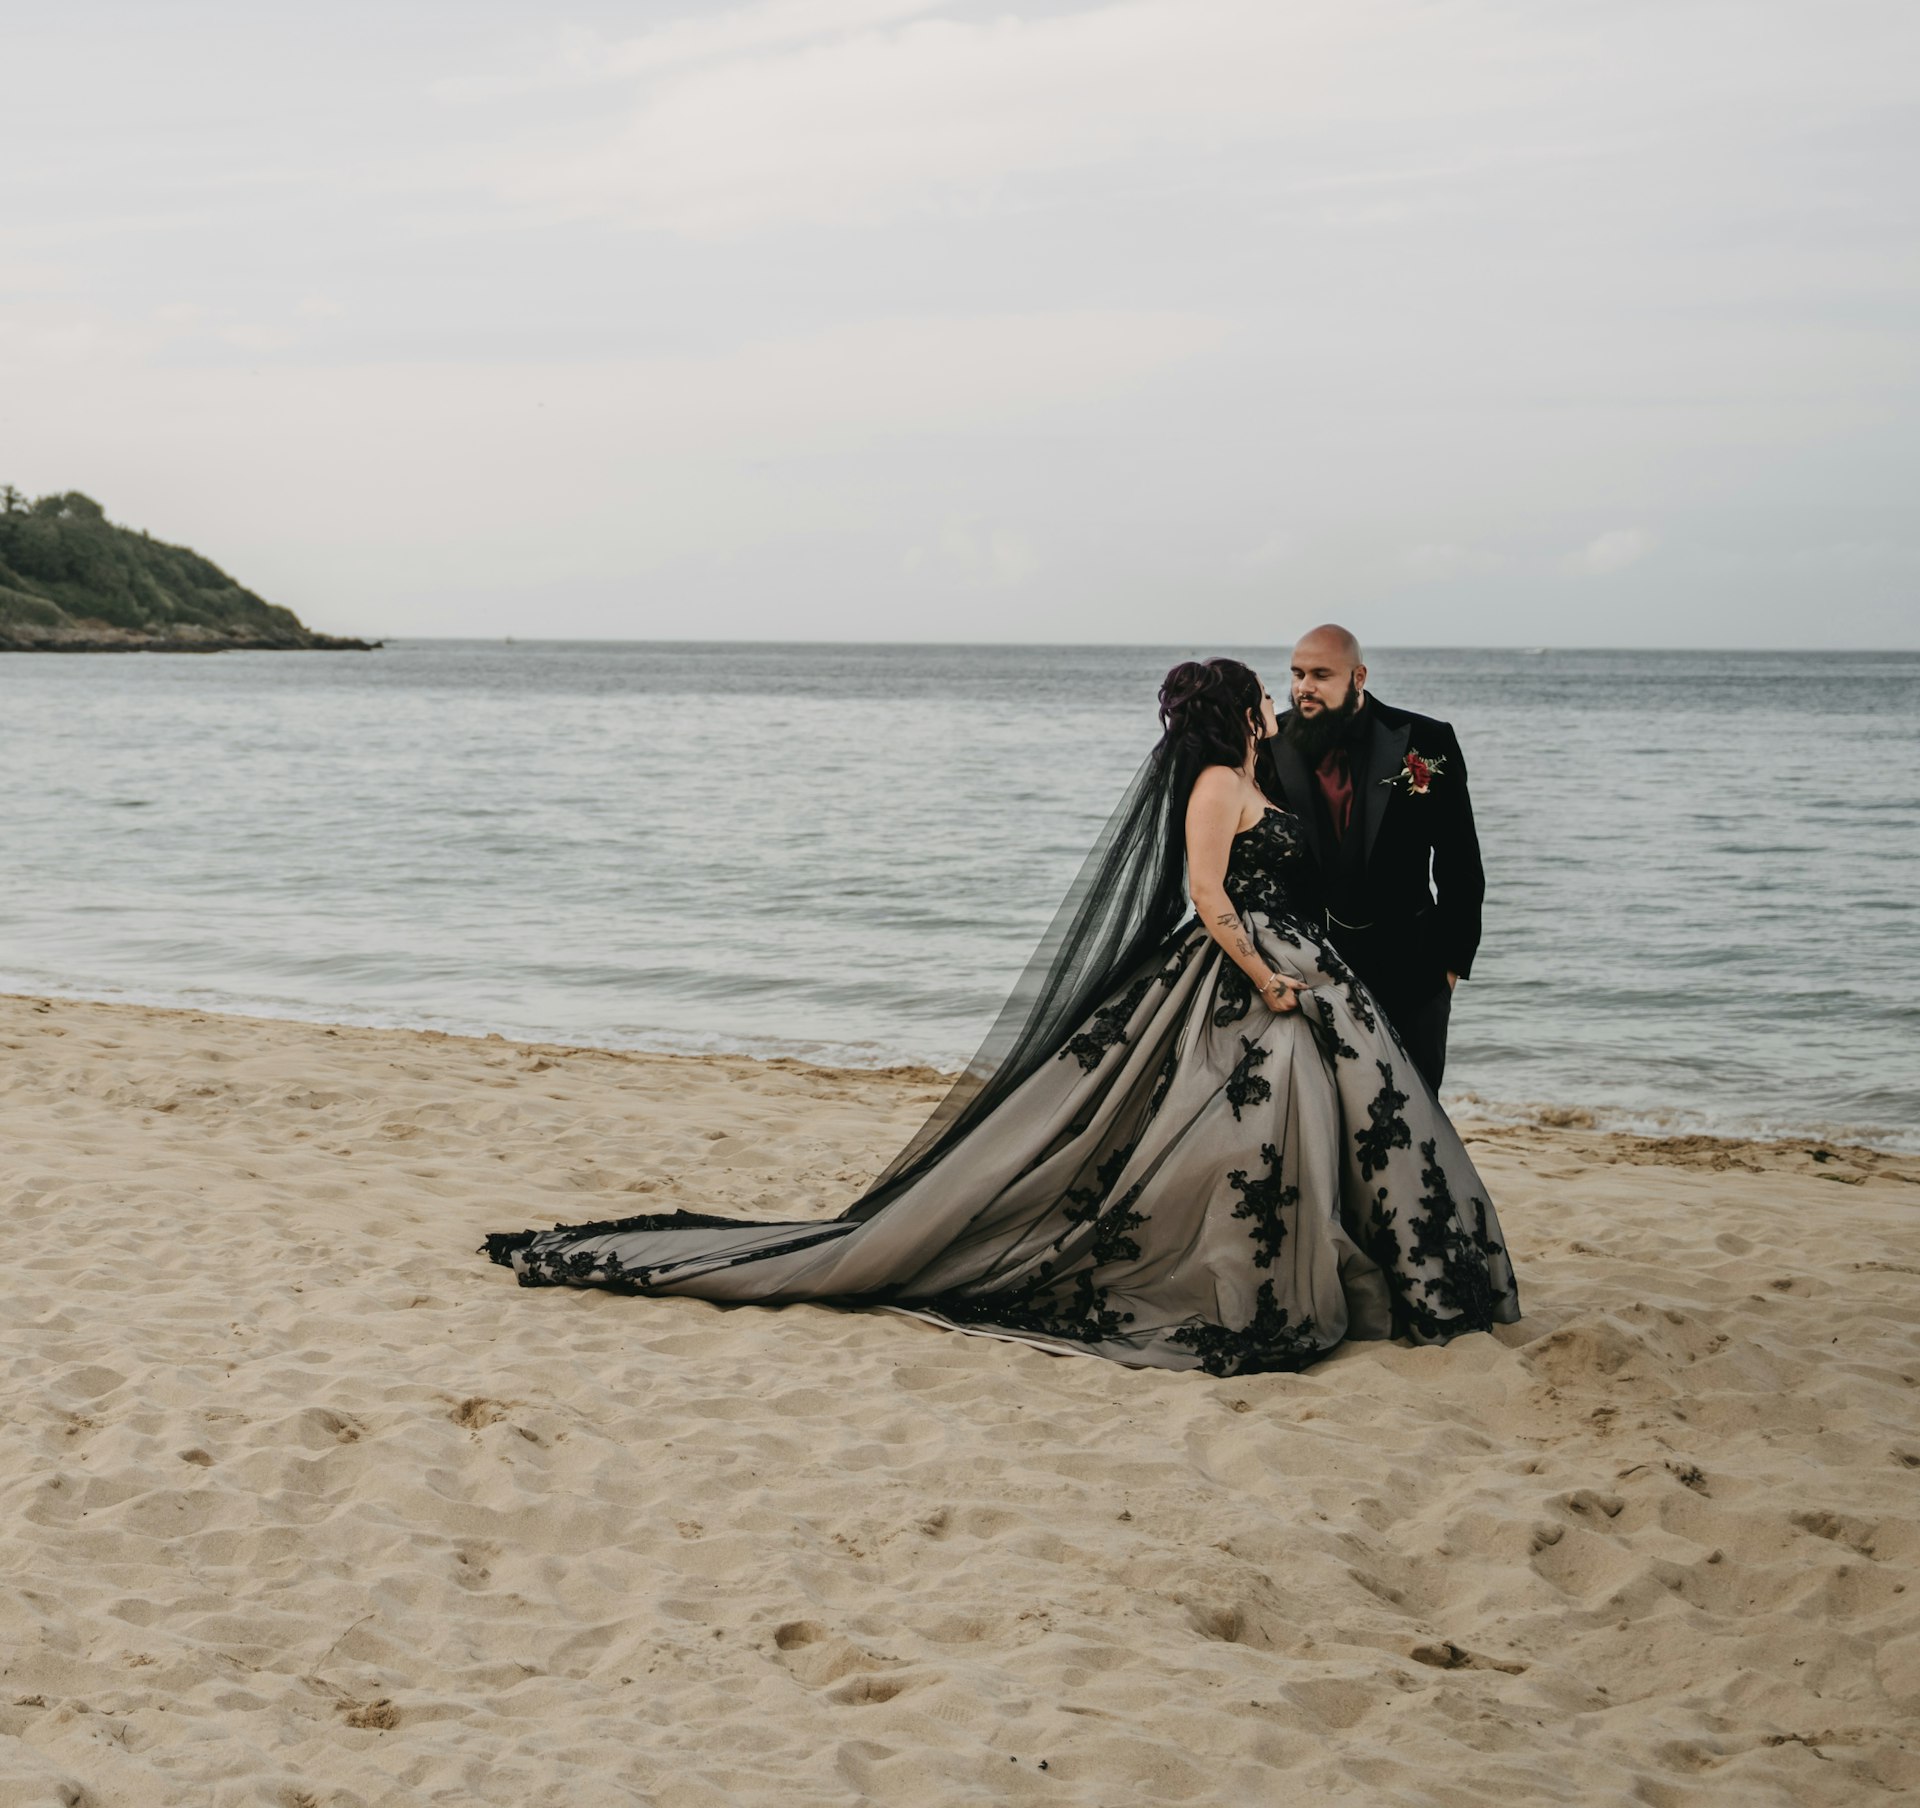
{"x": 1269, "y": 868}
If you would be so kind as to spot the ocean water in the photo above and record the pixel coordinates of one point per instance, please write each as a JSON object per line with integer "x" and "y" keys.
{"x": 1702, "y": 867}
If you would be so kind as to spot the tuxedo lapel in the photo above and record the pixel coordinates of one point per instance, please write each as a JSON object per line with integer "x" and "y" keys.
{"x": 1386, "y": 753}
{"x": 1296, "y": 786}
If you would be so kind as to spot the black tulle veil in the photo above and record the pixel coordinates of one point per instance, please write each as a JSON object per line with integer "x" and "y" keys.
{"x": 1129, "y": 896}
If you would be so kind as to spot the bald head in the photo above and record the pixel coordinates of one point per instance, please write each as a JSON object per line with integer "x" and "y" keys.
{"x": 1329, "y": 675}
{"x": 1332, "y": 642}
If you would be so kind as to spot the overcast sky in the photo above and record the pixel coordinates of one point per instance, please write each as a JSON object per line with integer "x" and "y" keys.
{"x": 1463, "y": 321}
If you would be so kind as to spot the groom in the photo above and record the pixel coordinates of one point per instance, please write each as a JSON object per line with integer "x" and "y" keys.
{"x": 1382, "y": 795}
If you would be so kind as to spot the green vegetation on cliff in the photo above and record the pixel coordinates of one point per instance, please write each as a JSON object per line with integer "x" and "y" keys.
{"x": 71, "y": 581}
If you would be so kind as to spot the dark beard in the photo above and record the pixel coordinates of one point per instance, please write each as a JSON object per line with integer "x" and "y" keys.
{"x": 1328, "y": 729}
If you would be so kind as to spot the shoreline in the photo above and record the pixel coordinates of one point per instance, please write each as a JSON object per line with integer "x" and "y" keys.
{"x": 1472, "y": 1114}
{"x": 306, "y": 1500}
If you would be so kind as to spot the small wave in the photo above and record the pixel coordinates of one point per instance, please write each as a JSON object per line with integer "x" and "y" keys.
{"x": 1470, "y": 1108}
{"x": 860, "y": 1055}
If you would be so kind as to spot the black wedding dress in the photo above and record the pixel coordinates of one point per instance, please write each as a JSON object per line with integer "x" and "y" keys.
{"x": 1184, "y": 1179}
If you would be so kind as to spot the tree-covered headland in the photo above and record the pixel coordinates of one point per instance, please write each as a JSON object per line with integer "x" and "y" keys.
{"x": 71, "y": 581}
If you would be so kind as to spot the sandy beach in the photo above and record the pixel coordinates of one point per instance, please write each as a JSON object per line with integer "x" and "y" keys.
{"x": 305, "y": 1503}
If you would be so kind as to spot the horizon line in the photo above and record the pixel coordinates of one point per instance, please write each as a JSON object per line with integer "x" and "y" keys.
{"x": 1481, "y": 646}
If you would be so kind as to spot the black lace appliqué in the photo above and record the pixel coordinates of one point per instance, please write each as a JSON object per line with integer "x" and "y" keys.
{"x": 1430, "y": 1307}
{"x": 1080, "y": 1314}
{"x": 1268, "y": 1341}
{"x": 1163, "y": 1082}
{"x": 1169, "y": 975}
{"x": 1244, "y": 1087}
{"x": 1436, "y": 1225}
{"x": 1236, "y": 996}
{"x": 1380, "y": 1235}
{"x": 1111, "y": 1241}
{"x": 1264, "y": 1201}
{"x": 606, "y": 1268}
{"x": 1107, "y": 1028}
{"x": 1336, "y": 1045}
{"x": 1387, "y": 1130}
{"x": 1266, "y": 864}
{"x": 1084, "y": 1202}
{"x": 1464, "y": 1288}
{"x": 1359, "y": 1000}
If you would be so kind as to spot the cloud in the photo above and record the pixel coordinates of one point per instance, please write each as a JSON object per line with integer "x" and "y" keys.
{"x": 631, "y": 459}
{"x": 1610, "y": 552}
{"x": 25, "y": 278}
{"x": 867, "y": 126}
{"x": 1278, "y": 548}
{"x": 774, "y": 25}
{"x": 38, "y": 339}
{"x": 256, "y": 336}
{"x": 43, "y": 335}
{"x": 857, "y": 113}
{"x": 1234, "y": 301}
{"x": 583, "y": 58}
{"x": 974, "y": 557}
{"x": 1433, "y": 561}
{"x": 867, "y": 378}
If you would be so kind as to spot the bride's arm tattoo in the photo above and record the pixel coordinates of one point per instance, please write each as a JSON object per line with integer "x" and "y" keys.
{"x": 1229, "y": 920}
{"x": 1213, "y": 817}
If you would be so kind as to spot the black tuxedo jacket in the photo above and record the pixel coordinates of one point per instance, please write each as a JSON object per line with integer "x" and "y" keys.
{"x": 1404, "y": 885}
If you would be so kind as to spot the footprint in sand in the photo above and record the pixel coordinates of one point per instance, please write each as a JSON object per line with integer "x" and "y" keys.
{"x": 1446, "y": 1655}
{"x": 371, "y": 1716}
{"x": 817, "y": 1658}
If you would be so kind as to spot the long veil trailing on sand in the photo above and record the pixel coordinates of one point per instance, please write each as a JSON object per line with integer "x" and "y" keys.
{"x": 1143, "y": 1161}
{"x": 1127, "y": 898}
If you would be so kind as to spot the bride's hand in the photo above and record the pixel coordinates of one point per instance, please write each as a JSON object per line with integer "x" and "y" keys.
{"x": 1281, "y": 994}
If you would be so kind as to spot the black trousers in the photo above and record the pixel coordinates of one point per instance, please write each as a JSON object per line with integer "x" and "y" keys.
{"x": 1388, "y": 958}
{"x": 1423, "y": 1028}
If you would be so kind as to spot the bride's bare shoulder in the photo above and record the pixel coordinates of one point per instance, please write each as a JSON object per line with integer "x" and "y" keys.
{"x": 1215, "y": 801}
{"x": 1218, "y": 782}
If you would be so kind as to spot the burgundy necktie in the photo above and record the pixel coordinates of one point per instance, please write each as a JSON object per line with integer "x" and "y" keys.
{"x": 1336, "y": 786}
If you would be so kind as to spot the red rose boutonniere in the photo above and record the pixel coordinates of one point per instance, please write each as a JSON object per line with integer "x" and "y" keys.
{"x": 1417, "y": 772}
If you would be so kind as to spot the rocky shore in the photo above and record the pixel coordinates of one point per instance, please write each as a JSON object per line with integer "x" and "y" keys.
{"x": 71, "y": 581}
{"x": 83, "y": 636}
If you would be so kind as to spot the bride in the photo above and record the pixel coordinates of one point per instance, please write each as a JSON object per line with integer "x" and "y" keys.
{"x": 1185, "y": 1144}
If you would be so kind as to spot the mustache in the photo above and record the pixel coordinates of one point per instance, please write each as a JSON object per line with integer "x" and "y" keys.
{"x": 1314, "y": 735}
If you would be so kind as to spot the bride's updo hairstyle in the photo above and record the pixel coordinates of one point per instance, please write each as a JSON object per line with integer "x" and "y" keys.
{"x": 1204, "y": 705}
